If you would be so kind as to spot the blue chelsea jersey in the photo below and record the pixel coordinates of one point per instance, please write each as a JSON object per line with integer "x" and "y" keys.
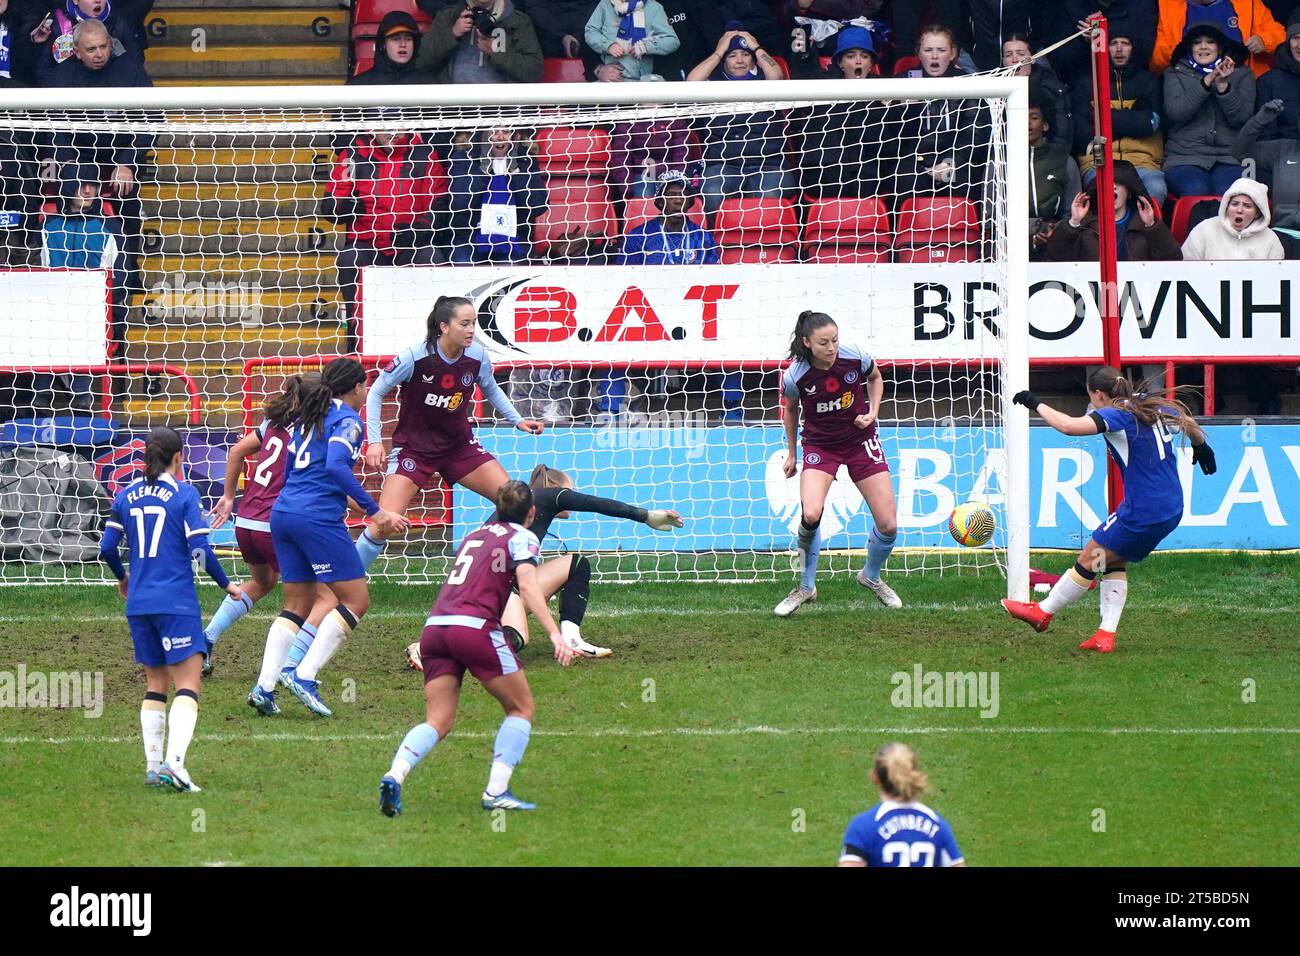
{"x": 1145, "y": 454}
{"x": 900, "y": 834}
{"x": 159, "y": 521}
{"x": 308, "y": 487}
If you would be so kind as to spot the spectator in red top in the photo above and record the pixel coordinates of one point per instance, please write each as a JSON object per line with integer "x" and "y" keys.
{"x": 383, "y": 188}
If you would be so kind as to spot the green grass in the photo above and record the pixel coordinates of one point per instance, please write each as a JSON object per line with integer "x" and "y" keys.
{"x": 755, "y": 725}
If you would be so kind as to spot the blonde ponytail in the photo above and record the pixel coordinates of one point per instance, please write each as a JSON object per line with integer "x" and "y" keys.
{"x": 897, "y": 774}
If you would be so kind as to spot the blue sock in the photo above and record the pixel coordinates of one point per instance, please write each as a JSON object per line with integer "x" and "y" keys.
{"x": 231, "y": 610}
{"x": 810, "y": 542}
{"x": 416, "y": 745}
{"x": 301, "y": 642}
{"x": 368, "y": 549}
{"x": 878, "y": 548}
{"x": 511, "y": 742}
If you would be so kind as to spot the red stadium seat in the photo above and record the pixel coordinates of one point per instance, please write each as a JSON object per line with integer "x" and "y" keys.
{"x": 365, "y": 12}
{"x": 1180, "y": 223}
{"x": 576, "y": 192}
{"x": 958, "y": 252}
{"x": 932, "y": 222}
{"x": 847, "y": 229}
{"x": 785, "y": 67}
{"x": 639, "y": 211}
{"x": 905, "y": 63}
{"x": 590, "y": 219}
{"x": 563, "y": 70}
{"x": 757, "y": 230}
{"x": 363, "y": 53}
{"x": 564, "y": 151}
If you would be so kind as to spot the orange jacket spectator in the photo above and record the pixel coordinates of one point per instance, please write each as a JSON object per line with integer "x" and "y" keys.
{"x": 385, "y": 184}
{"x": 1253, "y": 19}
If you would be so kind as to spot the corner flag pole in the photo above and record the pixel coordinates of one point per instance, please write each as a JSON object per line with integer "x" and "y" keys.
{"x": 1102, "y": 162}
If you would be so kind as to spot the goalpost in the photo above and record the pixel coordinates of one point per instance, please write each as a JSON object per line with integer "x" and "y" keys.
{"x": 660, "y": 383}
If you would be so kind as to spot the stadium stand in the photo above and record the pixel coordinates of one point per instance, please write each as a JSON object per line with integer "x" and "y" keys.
{"x": 937, "y": 229}
{"x": 846, "y": 230}
{"x": 757, "y": 230}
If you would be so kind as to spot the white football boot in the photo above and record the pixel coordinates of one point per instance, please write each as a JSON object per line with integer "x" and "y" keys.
{"x": 881, "y": 590}
{"x": 797, "y": 598}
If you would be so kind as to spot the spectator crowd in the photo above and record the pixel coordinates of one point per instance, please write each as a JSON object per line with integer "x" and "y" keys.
{"x": 1205, "y": 98}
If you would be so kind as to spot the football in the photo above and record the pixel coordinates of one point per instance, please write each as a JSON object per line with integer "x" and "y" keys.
{"x": 971, "y": 524}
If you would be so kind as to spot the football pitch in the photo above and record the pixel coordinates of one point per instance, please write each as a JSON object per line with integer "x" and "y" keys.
{"x": 717, "y": 734}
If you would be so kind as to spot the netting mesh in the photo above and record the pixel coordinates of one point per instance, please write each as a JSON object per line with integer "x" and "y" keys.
{"x": 637, "y": 270}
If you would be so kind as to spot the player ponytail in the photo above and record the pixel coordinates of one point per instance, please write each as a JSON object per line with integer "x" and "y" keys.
{"x": 160, "y": 451}
{"x": 337, "y": 378}
{"x": 544, "y": 476}
{"x": 514, "y": 501}
{"x": 286, "y": 408}
{"x": 1147, "y": 403}
{"x": 807, "y": 323}
{"x": 441, "y": 315}
{"x": 896, "y": 773}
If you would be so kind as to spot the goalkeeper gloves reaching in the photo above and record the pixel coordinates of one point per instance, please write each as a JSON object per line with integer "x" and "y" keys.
{"x": 662, "y": 520}
{"x": 1203, "y": 455}
{"x": 1027, "y": 399}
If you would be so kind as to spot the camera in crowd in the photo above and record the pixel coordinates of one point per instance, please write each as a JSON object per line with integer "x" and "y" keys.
{"x": 484, "y": 22}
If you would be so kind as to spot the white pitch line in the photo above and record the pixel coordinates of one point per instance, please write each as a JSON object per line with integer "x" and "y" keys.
{"x": 822, "y": 610}
{"x": 757, "y": 730}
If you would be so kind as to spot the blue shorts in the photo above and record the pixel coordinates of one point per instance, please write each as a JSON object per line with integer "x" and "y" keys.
{"x": 1131, "y": 541}
{"x": 313, "y": 550}
{"x": 166, "y": 638}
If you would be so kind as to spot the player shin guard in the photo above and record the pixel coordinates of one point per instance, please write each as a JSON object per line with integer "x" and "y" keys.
{"x": 153, "y": 726}
{"x": 511, "y": 742}
{"x": 180, "y": 726}
{"x": 369, "y": 548}
{"x": 1073, "y": 585}
{"x": 878, "y": 549}
{"x": 1114, "y": 592}
{"x": 573, "y": 599}
{"x": 301, "y": 642}
{"x": 516, "y": 640}
{"x": 810, "y": 547}
{"x": 283, "y": 630}
{"x": 417, "y": 744}
{"x": 331, "y": 634}
{"x": 230, "y": 611}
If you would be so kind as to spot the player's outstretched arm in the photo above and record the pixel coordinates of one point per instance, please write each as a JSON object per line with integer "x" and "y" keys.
{"x": 1063, "y": 423}
{"x": 239, "y": 453}
{"x": 535, "y": 602}
{"x": 566, "y": 499}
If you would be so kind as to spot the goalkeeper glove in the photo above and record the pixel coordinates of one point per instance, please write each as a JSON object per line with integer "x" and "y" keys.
{"x": 1203, "y": 455}
{"x": 1027, "y": 399}
{"x": 662, "y": 520}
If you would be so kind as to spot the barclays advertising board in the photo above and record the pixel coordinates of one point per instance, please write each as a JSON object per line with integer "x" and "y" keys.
{"x": 728, "y": 484}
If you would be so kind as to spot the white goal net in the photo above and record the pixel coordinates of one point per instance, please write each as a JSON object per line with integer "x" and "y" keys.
{"x": 638, "y": 258}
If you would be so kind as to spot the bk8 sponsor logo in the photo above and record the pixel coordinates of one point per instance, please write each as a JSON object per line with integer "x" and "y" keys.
{"x": 835, "y": 405}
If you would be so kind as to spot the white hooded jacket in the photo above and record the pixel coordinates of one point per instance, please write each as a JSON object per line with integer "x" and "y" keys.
{"x": 1217, "y": 239}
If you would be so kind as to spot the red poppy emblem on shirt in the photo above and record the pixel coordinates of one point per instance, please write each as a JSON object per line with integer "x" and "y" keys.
{"x": 448, "y": 381}
{"x": 832, "y": 385}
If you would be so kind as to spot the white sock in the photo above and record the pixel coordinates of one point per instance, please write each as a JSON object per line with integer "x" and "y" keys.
{"x": 278, "y": 639}
{"x": 330, "y": 636}
{"x": 570, "y": 632}
{"x": 180, "y": 729}
{"x": 153, "y": 725}
{"x": 1114, "y": 592}
{"x": 499, "y": 778}
{"x": 1069, "y": 589}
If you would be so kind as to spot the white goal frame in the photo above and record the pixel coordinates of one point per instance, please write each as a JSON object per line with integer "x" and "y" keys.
{"x": 1013, "y": 91}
